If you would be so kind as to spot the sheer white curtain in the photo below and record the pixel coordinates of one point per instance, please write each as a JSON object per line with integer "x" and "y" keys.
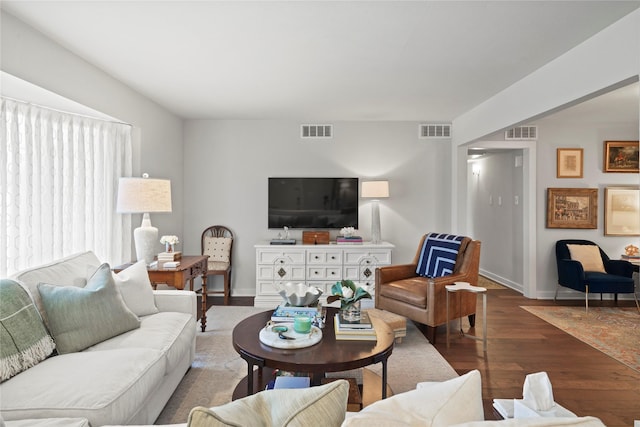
{"x": 58, "y": 186}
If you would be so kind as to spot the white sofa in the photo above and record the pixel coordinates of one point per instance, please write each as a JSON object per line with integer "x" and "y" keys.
{"x": 126, "y": 379}
{"x": 457, "y": 402}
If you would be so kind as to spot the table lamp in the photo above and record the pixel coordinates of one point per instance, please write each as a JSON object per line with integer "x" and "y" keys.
{"x": 375, "y": 190}
{"x": 144, "y": 195}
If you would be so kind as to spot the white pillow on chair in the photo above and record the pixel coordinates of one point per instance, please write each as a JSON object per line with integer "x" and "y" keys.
{"x": 450, "y": 402}
{"x": 218, "y": 248}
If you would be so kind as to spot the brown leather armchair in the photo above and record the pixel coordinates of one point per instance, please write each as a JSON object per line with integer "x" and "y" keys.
{"x": 400, "y": 290}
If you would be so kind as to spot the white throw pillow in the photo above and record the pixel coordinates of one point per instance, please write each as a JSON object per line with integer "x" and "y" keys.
{"x": 589, "y": 256}
{"x": 135, "y": 287}
{"x": 450, "y": 402}
{"x": 218, "y": 248}
{"x": 314, "y": 406}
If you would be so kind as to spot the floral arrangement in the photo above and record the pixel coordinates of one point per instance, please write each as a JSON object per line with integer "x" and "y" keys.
{"x": 170, "y": 240}
{"x": 347, "y": 292}
{"x": 347, "y": 231}
{"x": 631, "y": 250}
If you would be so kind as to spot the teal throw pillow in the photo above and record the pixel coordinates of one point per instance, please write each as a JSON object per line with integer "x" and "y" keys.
{"x": 81, "y": 317}
{"x": 24, "y": 341}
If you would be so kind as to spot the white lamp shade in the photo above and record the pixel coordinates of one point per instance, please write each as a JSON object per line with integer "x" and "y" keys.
{"x": 375, "y": 189}
{"x": 143, "y": 195}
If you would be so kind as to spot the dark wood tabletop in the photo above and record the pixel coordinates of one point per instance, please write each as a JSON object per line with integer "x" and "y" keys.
{"x": 328, "y": 355}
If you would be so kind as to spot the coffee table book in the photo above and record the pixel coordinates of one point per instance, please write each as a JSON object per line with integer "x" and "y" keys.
{"x": 287, "y": 314}
{"x": 363, "y": 323}
{"x": 368, "y": 334}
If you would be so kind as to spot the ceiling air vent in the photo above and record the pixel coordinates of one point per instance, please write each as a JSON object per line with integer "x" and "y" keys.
{"x": 521, "y": 132}
{"x": 316, "y": 131}
{"x": 433, "y": 131}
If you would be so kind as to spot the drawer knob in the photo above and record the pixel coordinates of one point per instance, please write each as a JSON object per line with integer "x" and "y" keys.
{"x": 316, "y": 257}
{"x": 281, "y": 261}
{"x": 333, "y": 257}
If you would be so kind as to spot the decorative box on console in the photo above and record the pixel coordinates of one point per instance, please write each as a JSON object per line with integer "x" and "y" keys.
{"x": 315, "y": 237}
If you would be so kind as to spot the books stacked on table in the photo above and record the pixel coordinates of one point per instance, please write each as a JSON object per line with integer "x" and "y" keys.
{"x": 169, "y": 256}
{"x": 631, "y": 257}
{"x": 349, "y": 240}
{"x": 285, "y": 313}
{"x": 362, "y": 330}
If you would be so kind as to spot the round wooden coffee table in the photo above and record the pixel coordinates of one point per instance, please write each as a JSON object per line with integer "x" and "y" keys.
{"x": 328, "y": 355}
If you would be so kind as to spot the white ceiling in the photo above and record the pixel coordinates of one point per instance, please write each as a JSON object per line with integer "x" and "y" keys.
{"x": 319, "y": 60}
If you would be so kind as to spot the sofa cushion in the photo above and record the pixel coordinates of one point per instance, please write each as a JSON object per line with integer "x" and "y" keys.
{"x": 135, "y": 287}
{"x": 450, "y": 402}
{"x": 81, "y": 317}
{"x": 438, "y": 255}
{"x": 24, "y": 341}
{"x": 537, "y": 422}
{"x": 171, "y": 333}
{"x": 589, "y": 256}
{"x": 73, "y": 270}
{"x": 106, "y": 387}
{"x": 322, "y": 405}
{"x": 49, "y": 422}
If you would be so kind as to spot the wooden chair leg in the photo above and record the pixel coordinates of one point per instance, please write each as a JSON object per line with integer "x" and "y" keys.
{"x": 431, "y": 334}
{"x": 226, "y": 288}
{"x": 472, "y": 320}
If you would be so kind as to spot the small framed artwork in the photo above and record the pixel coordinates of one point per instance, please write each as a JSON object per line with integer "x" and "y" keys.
{"x": 569, "y": 163}
{"x": 621, "y": 156}
{"x": 622, "y": 211}
{"x": 572, "y": 208}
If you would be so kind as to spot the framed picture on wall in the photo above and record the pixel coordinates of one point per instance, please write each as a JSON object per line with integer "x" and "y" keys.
{"x": 622, "y": 211}
{"x": 569, "y": 163}
{"x": 572, "y": 208}
{"x": 621, "y": 156}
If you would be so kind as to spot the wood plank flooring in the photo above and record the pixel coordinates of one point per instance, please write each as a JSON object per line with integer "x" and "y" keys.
{"x": 584, "y": 380}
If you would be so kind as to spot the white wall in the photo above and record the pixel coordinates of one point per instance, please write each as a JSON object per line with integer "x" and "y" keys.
{"x": 30, "y": 56}
{"x": 555, "y": 134}
{"x": 608, "y": 60}
{"x": 227, "y": 164}
{"x": 496, "y": 219}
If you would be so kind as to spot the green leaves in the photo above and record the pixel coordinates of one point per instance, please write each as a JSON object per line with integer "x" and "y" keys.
{"x": 347, "y": 292}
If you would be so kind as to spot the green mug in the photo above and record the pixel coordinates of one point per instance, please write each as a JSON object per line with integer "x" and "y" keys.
{"x": 302, "y": 324}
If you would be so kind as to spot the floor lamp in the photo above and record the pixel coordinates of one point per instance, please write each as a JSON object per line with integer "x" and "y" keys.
{"x": 144, "y": 195}
{"x": 375, "y": 190}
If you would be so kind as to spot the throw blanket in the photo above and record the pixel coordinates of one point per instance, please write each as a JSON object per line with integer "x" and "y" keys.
{"x": 438, "y": 256}
{"x": 24, "y": 341}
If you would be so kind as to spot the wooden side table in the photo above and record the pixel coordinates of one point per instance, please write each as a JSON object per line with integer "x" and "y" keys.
{"x": 190, "y": 267}
{"x": 467, "y": 287}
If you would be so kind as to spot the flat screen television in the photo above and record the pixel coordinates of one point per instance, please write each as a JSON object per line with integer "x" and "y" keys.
{"x": 313, "y": 203}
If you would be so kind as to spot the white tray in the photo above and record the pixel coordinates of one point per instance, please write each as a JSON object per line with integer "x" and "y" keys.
{"x": 270, "y": 338}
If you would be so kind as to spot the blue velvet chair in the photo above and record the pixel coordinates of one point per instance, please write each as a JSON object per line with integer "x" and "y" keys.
{"x": 618, "y": 278}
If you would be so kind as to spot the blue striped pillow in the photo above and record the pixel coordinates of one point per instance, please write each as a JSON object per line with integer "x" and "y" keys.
{"x": 438, "y": 255}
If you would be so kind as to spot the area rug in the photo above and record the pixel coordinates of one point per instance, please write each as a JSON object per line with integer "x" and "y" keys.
{"x": 615, "y": 331}
{"x": 218, "y": 368}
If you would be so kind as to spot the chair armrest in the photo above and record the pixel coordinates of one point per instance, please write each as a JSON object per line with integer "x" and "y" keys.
{"x": 619, "y": 267}
{"x": 570, "y": 273}
{"x": 392, "y": 273}
{"x": 175, "y": 300}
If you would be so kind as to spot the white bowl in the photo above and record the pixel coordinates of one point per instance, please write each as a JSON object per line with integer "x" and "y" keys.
{"x": 299, "y": 294}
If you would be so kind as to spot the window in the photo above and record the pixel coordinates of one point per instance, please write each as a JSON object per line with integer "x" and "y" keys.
{"x": 58, "y": 183}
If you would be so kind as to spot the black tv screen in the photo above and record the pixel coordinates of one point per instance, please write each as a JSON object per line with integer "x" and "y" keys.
{"x": 313, "y": 202}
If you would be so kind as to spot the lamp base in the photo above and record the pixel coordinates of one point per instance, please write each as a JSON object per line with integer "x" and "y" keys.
{"x": 375, "y": 223}
{"x": 145, "y": 238}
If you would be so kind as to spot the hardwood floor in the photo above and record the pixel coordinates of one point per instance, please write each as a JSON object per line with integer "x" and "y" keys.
{"x": 584, "y": 380}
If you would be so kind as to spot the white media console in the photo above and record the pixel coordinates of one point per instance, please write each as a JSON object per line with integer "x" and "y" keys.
{"x": 316, "y": 265}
